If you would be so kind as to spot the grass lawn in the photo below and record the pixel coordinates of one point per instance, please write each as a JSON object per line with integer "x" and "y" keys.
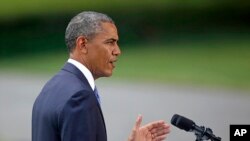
{"x": 213, "y": 63}
{"x": 210, "y": 64}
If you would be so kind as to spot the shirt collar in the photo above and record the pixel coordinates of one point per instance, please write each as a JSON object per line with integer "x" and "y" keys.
{"x": 85, "y": 72}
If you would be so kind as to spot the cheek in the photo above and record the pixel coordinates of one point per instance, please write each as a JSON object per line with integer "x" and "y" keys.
{"x": 103, "y": 58}
{"x": 106, "y": 56}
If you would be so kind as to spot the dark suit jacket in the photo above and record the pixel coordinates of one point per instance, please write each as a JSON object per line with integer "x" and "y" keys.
{"x": 67, "y": 110}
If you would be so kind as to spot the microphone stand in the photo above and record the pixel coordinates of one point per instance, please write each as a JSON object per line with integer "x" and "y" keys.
{"x": 203, "y": 133}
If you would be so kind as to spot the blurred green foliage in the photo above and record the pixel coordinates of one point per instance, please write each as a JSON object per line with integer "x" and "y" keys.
{"x": 10, "y": 9}
{"x": 33, "y": 33}
{"x": 196, "y": 42}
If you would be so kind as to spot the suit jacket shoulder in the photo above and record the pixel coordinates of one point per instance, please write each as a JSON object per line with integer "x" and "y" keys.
{"x": 66, "y": 109}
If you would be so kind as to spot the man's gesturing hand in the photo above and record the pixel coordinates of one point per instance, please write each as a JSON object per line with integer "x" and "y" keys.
{"x": 154, "y": 131}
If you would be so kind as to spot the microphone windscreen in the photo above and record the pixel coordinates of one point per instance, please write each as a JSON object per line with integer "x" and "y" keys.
{"x": 182, "y": 122}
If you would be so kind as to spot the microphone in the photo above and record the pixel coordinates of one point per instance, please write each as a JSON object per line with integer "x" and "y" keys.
{"x": 188, "y": 125}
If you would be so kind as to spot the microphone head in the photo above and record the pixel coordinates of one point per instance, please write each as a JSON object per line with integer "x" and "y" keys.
{"x": 182, "y": 122}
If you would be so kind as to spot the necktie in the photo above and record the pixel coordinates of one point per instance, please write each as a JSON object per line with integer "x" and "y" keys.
{"x": 97, "y": 96}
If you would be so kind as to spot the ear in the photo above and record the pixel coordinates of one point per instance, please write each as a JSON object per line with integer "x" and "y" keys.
{"x": 81, "y": 44}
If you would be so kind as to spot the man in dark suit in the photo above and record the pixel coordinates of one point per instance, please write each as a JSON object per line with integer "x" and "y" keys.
{"x": 68, "y": 107}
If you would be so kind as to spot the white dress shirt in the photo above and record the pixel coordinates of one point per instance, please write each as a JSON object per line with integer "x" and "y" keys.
{"x": 85, "y": 72}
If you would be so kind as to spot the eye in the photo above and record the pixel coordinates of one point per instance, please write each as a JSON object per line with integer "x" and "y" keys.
{"x": 110, "y": 42}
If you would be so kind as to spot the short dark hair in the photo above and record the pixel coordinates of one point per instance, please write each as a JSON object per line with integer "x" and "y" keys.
{"x": 86, "y": 24}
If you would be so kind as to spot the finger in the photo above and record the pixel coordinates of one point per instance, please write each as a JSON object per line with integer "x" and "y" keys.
{"x": 135, "y": 128}
{"x": 160, "y": 138}
{"x": 154, "y": 124}
{"x": 161, "y": 132}
{"x": 159, "y": 128}
{"x": 138, "y": 122}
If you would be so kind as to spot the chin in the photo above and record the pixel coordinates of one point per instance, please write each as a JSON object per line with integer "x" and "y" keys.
{"x": 108, "y": 74}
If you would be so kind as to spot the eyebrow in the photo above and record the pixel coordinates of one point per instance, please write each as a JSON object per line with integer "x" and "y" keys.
{"x": 112, "y": 39}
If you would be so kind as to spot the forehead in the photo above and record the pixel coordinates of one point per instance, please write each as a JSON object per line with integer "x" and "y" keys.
{"x": 108, "y": 30}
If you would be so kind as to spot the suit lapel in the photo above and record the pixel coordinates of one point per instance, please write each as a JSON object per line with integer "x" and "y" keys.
{"x": 71, "y": 68}
{"x": 99, "y": 107}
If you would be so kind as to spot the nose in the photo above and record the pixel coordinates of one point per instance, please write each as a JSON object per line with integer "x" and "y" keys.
{"x": 117, "y": 51}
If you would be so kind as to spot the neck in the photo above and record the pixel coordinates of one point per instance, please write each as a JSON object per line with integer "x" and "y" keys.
{"x": 83, "y": 62}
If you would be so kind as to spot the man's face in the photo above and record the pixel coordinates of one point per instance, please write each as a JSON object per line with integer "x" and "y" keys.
{"x": 103, "y": 51}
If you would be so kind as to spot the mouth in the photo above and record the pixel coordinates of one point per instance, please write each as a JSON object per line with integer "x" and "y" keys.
{"x": 112, "y": 62}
